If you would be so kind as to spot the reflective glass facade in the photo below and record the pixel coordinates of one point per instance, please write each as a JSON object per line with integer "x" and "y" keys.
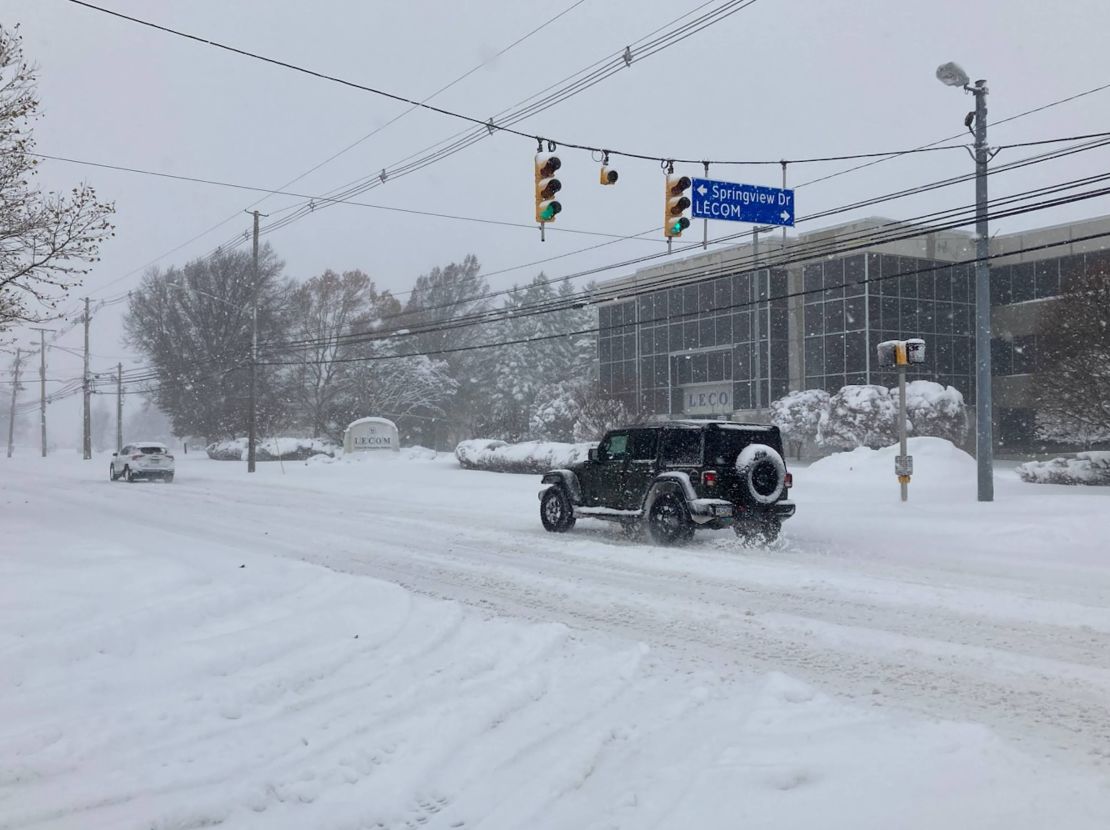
{"x": 724, "y": 333}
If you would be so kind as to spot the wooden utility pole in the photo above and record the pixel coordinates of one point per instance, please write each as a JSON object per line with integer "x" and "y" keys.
{"x": 252, "y": 435}
{"x": 86, "y": 430}
{"x": 11, "y": 414}
{"x": 42, "y": 384}
{"x": 119, "y": 407}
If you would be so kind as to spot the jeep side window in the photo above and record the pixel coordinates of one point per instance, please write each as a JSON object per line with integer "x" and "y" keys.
{"x": 614, "y": 447}
{"x": 643, "y": 444}
{"x": 682, "y": 447}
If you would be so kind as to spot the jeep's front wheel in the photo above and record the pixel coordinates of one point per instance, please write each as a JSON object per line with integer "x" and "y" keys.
{"x": 668, "y": 522}
{"x": 556, "y": 512}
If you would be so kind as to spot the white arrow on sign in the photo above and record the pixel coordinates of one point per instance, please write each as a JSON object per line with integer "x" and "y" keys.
{"x": 784, "y": 216}
{"x": 702, "y": 190}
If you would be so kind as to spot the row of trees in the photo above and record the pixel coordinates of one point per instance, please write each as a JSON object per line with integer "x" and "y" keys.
{"x": 336, "y": 348}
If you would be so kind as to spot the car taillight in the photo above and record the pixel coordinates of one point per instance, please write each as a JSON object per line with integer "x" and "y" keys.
{"x": 789, "y": 480}
{"x": 710, "y": 478}
{"x": 170, "y": 457}
{"x": 136, "y": 457}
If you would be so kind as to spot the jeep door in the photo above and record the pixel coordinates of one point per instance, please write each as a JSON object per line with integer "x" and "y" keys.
{"x": 640, "y": 469}
{"x": 602, "y": 483}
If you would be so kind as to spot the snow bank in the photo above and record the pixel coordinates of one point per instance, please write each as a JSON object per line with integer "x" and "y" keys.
{"x": 1091, "y": 468}
{"x": 936, "y": 463}
{"x": 272, "y": 449}
{"x": 528, "y": 457}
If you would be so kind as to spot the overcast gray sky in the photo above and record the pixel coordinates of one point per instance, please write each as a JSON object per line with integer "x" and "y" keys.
{"x": 782, "y": 78}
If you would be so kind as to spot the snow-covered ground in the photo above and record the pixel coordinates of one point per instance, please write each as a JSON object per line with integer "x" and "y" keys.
{"x": 396, "y": 643}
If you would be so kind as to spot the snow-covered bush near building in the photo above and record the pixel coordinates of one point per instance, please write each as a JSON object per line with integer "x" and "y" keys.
{"x": 575, "y": 412}
{"x": 470, "y": 452}
{"x": 528, "y": 457}
{"x": 1060, "y": 428}
{"x": 798, "y": 416}
{"x": 1092, "y": 468}
{"x": 272, "y": 449}
{"x": 859, "y": 416}
{"x": 935, "y": 410}
{"x": 554, "y": 413}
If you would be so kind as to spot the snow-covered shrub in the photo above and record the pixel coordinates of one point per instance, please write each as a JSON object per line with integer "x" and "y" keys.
{"x": 798, "y": 416}
{"x": 575, "y": 412}
{"x": 935, "y": 410}
{"x": 554, "y": 412}
{"x": 1062, "y": 429}
{"x": 272, "y": 449}
{"x": 1086, "y": 468}
{"x": 859, "y": 416}
{"x": 528, "y": 457}
{"x": 469, "y": 452}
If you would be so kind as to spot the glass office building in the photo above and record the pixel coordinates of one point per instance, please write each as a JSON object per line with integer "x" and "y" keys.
{"x": 741, "y": 337}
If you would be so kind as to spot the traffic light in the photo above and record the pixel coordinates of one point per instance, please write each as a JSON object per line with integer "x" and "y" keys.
{"x": 674, "y": 223}
{"x": 608, "y": 175}
{"x": 547, "y": 186}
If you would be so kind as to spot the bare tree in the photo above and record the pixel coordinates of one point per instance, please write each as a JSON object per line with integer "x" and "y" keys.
{"x": 47, "y": 240}
{"x": 323, "y": 313}
{"x": 193, "y": 326}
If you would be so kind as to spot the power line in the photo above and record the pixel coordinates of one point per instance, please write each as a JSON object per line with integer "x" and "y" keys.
{"x": 856, "y": 245}
{"x": 611, "y": 63}
{"x": 727, "y": 8}
{"x": 898, "y": 231}
{"x": 588, "y": 295}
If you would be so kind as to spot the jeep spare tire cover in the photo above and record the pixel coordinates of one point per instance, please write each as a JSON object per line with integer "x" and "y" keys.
{"x": 763, "y": 472}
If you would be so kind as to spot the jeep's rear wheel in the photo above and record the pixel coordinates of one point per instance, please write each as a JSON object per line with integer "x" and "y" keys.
{"x": 556, "y": 512}
{"x": 668, "y": 522}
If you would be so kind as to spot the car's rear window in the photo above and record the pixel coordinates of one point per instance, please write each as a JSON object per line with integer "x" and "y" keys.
{"x": 723, "y": 444}
{"x": 151, "y": 450}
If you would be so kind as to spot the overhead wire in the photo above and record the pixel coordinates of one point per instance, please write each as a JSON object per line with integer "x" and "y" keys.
{"x": 858, "y": 244}
{"x": 308, "y": 207}
{"x": 895, "y": 231}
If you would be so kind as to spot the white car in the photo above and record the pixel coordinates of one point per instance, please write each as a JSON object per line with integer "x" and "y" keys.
{"x": 144, "y": 459}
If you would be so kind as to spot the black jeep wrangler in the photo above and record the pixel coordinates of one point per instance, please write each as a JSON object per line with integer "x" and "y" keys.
{"x": 672, "y": 478}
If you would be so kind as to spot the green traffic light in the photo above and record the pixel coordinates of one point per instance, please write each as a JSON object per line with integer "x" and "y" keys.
{"x": 680, "y": 225}
{"x": 548, "y": 213}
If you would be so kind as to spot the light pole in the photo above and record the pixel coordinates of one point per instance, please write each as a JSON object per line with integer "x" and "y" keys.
{"x": 951, "y": 74}
{"x": 251, "y": 433}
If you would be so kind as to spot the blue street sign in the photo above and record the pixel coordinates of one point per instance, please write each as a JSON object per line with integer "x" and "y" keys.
{"x": 742, "y": 202}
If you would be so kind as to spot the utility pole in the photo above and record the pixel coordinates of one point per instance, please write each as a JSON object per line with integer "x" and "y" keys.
{"x": 42, "y": 384}
{"x": 951, "y": 74}
{"x": 86, "y": 431}
{"x": 984, "y": 429}
{"x": 252, "y": 435}
{"x": 11, "y": 415}
{"x": 119, "y": 407}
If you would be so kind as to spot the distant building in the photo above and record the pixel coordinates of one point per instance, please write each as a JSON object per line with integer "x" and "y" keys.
{"x": 743, "y": 337}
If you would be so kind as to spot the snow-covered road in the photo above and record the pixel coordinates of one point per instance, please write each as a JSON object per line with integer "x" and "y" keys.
{"x": 945, "y": 656}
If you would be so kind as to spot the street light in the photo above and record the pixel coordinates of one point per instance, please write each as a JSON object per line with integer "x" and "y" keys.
{"x": 951, "y": 74}
{"x": 252, "y": 432}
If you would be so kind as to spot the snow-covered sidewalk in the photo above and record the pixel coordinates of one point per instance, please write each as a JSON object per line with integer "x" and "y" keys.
{"x": 161, "y": 668}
